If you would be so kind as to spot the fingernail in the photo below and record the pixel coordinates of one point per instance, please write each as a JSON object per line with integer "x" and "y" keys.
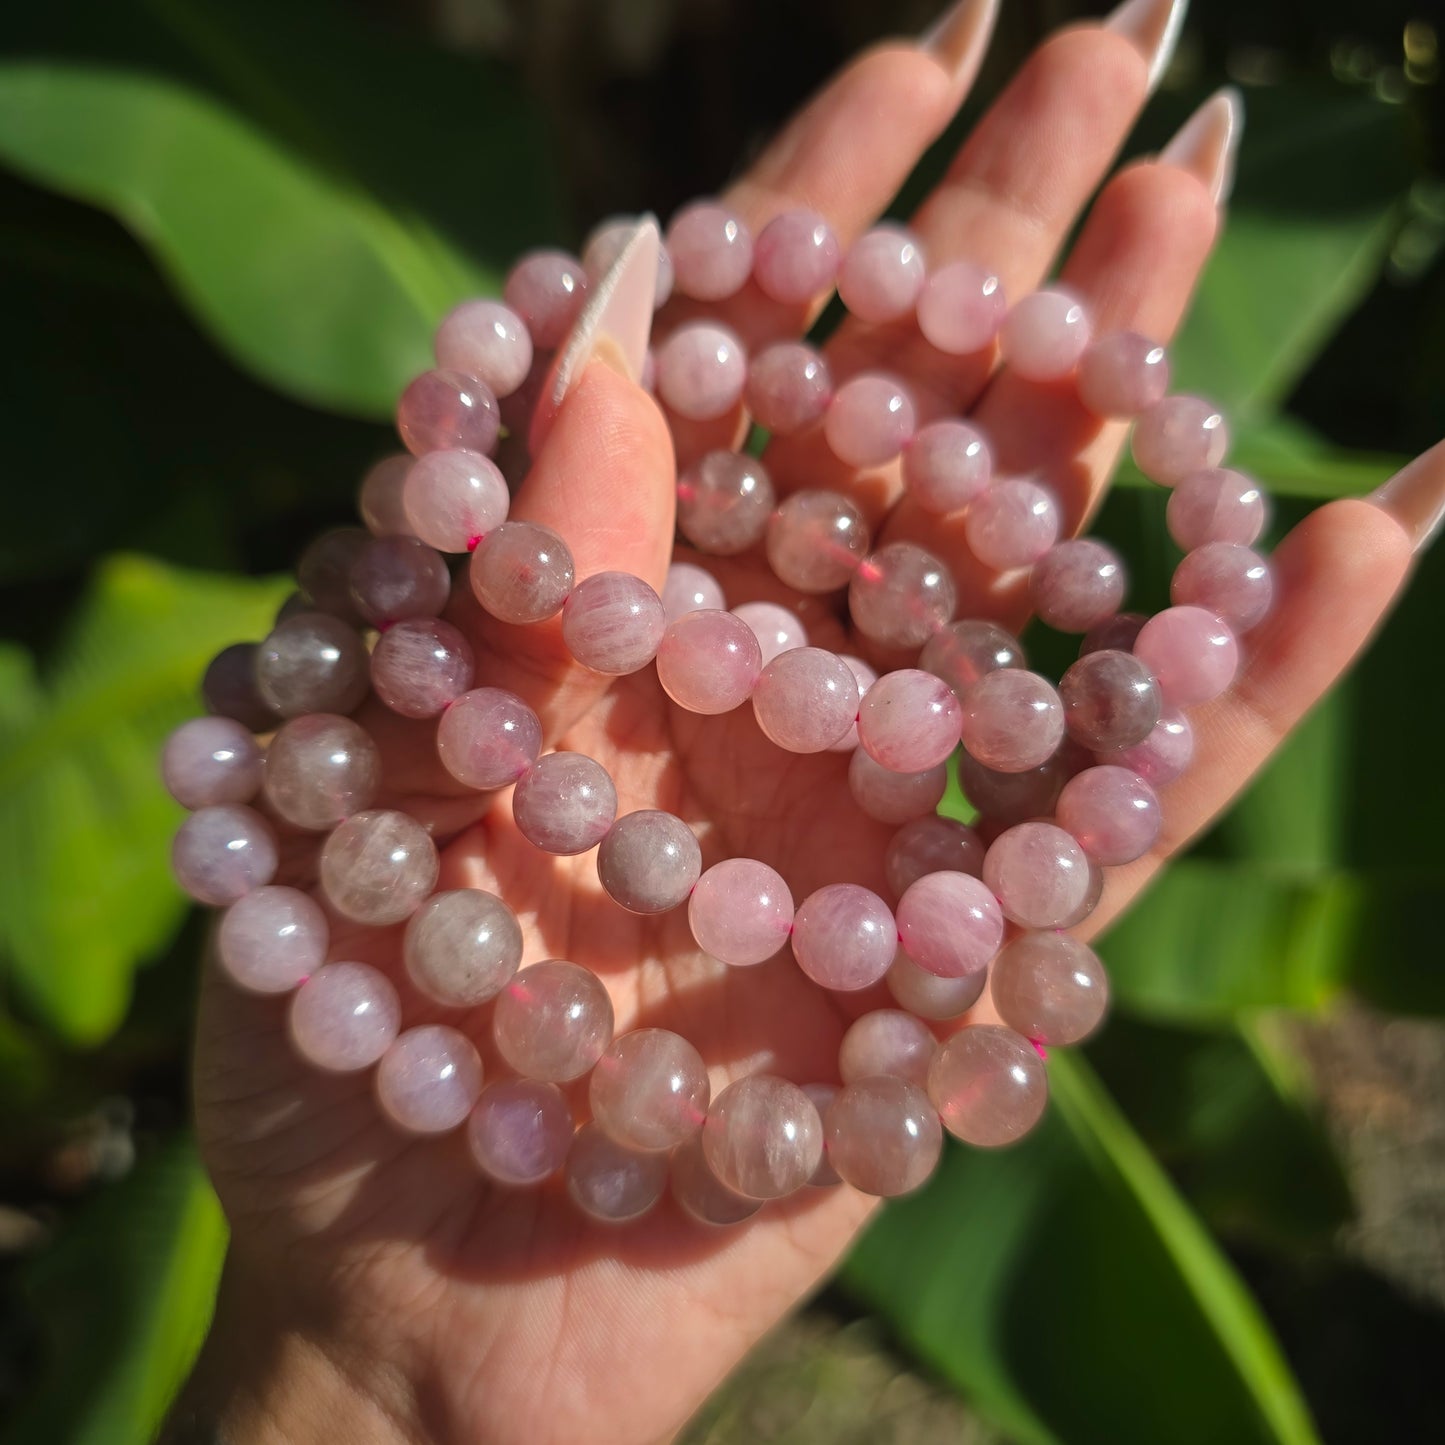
{"x": 1153, "y": 27}
{"x": 1206, "y": 144}
{"x": 959, "y": 37}
{"x": 1415, "y": 496}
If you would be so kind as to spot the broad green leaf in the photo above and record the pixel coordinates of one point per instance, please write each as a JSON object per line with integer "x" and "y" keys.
{"x": 1066, "y": 1286}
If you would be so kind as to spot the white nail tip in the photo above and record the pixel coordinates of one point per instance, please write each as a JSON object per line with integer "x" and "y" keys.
{"x": 1153, "y": 26}
{"x": 1207, "y": 143}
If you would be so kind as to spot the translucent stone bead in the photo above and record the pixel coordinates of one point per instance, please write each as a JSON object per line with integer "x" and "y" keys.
{"x": 429, "y": 1079}
{"x": 723, "y": 503}
{"x": 709, "y": 661}
{"x": 1231, "y": 581}
{"x": 565, "y": 804}
{"x": 650, "y": 1090}
{"x": 1123, "y": 374}
{"x": 1110, "y": 700}
{"x": 377, "y": 867}
{"x": 788, "y": 387}
{"x": 344, "y": 1017}
{"x": 796, "y": 257}
{"x": 988, "y": 1085}
{"x": 741, "y": 911}
{"x": 1012, "y": 524}
{"x": 1012, "y": 720}
{"x": 701, "y": 369}
{"x": 949, "y": 924}
{"x": 609, "y": 1183}
{"x": 455, "y": 498}
{"x": 929, "y": 996}
{"x": 488, "y": 738}
{"x": 882, "y": 275}
{"x": 1038, "y": 873}
{"x": 909, "y": 721}
{"x": 871, "y": 420}
{"x": 522, "y": 572}
{"x": 312, "y": 663}
{"x": 967, "y": 650}
{"x": 816, "y": 541}
{"x": 613, "y": 623}
{"x": 886, "y": 1041}
{"x": 777, "y": 629}
{"x": 806, "y": 699}
{"x": 1178, "y": 436}
{"x": 229, "y": 689}
{"x": 1050, "y": 988}
{"x": 320, "y": 769}
{"x": 380, "y": 500}
{"x": 487, "y": 340}
{"x": 399, "y": 577}
{"x": 604, "y": 246}
{"x": 272, "y": 940}
{"x": 821, "y": 1095}
{"x": 865, "y": 677}
{"x": 701, "y": 1194}
{"x": 1164, "y": 754}
{"x": 946, "y": 465}
{"x": 553, "y": 1021}
{"x": 462, "y": 947}
{"x": 421, "y": 666}
{"x": 1191, "y": 653}
{"x": 211, "y": 760}
{"x": 763, "y": 1138}
{"x": 901, "y": 595}
{"x": 447, "y": 411}
{"x": 220, "y": 854}
{"x": 931, "y": 845}
{"x": 324, "y": 571}
{"x": 961, "y": 308}
{"x": 1113, "y": 812}
{"x": 690, "y": 588}
{"x": 711, "y": 249}
{"x": 1013, "y": 797}
{"x": 1113, "y": 634}
{"x": 1077, "y": 584}
{"x": 844, "y": 937}
{"x": 1044, "y": 334}
{"x": 520, "y": 1131}
{"x": 891, "y": 797}
{"x": 1217, "y": 505}
{"x": 649, "y": 861}
{"x": 883, "y": 1136}
{"x": 547, "y": 289}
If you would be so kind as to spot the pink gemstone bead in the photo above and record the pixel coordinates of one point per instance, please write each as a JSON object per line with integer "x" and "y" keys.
{"x": 1038, "y": 873}
{"x": 1123, "y": 374}
{"x": 891, "y": 797}
{"x": 553, "y": 1021}
{"x": 1191, "y": 653}
{"x": 901, "y": 595}
{"x": 380, "y": 500}
{"x": 613, "y": 623}
{"x": 488, "y": 738}
{"x": 931, "y": 845}
{"x": 1217, "y": 505}
{"x": 701, "y": 369}
{"x": 886, "y": 1041}
{"x": 1164, "y": 754}
{"x": 1113, "y": 634}
{"x": 605, "y": 245}
{"x": 650, "y": 1090}
{"x": 377, "y": 867}
{"x": 344, "y": 1017}
{"x": 546, "y": 289}
{"x": 609, "y": 1183}
{"x": 1179, "y": 436}
{"x": 487, "y": 340}
{"x": 930, "y": 997}
{"x": 1050, "y": 988}
{"x": 777, "y": 629}
{"x": 565, "y": 804}
{"x": 272, "y": 940}
{"x": 865, "y": 677}
{"x": 883, "y": 1136}
{"x": 950, "y": 924}
{"x": 1012, "y": 524}
{"x": 520, "y": 1131}
{"x": 741, "y": 911}
{"x": 455, "y": 498}
{"x": 820, "y": 1096}
{"x": 429, "y": 1079}
{"x": 816, "y": 541}
{"x": 870, "y": 421}
{"x": 421, "y": 666}
{"x": 312, "y": 663}
{"x": 1012, "y": 721}
{"x": 788, "y": 387}
{"x": 324, "y": 571}
{"x": 844, "y": 937}
{"x": 909, "y": 721}
{"x": 946, "y": 466}
{"x": 763, "y": 1138}
{"x": 1044, "y": 334}
{"x": 988, "y": 1085}
{"x": 1110, "y": 700}
{"x": 447, "y": 411}
{"x": 882, "y": 275}
{"x": 229, "y": 689}
{"x": 806, "y": 699}
{"x": 220, "y": 854}
{"x": 1077, "y": 584}
{"x": 690, "y": 588}
{"x": 320, "y": 769}
{"x": 211, "y": 760}
{"x": 1114, "y": 813}
{"x": 1008, "y": 798}
{"x": 701, "y": 1194}
{"x": 649, "y": 861}
{"x": 1231, "y": 581}
{"x": 796, "y": 257}
{"x": 462, "y": 947}
{"x": 522, "y": 572}
{"x": 961, "y": 308}
{"x": 723, "y": 503}
{"x": 399, "y": 577}
{"x": 711, "y": 249}
{"x": 966, "y": 650}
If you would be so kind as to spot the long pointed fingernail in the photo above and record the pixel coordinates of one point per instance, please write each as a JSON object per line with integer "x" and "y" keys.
{"x": 1153, "y": 27}
{"x": 1207, "y": 143}
{"x": 959, "y": 37}
{"x": 1415, "y": 496}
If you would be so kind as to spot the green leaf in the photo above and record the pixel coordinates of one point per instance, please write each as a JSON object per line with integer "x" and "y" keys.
{"x": 1066, "y": 1286}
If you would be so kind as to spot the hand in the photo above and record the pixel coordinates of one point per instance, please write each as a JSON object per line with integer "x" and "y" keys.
{"x": 377, "y": 1287}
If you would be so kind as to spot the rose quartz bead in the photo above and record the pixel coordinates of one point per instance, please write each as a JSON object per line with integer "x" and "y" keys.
{"x": 229, "y": 689}
{"x": 553, "y": 1021}
{"x": 891, "y": 797}
{"x": 796, "y": 257}
{"x": 886, "y": 1041}
{"x": 711, "y": 249}
{"x": 613, "y": 623}
{"x": 272, "y": 940}
{"x": 950, "y": 924}
{"x": 966, "y": 650}
{"x": 1110, "y": 700}
{"x": 487, "y": 340}
{"x": 946, "y": 465}
{"x": 324, "y": 571}
{"x": 844, "y": 937}
{"x": 723, "y": 503}
{"x": 1044, "y": 334}
{"x": 870, "y": 421}
{"x": 788, "y": 387}
{"x": 520, "y": 1131}
{"x": 1012, "y": 524}
{"x": 211, "y": 760}
{"x": 909, "y": 721}
{"x": 865, "y": 677}
{"x": 1092, "y": 894}
{"x": 777, "y": 629}
{"x": 455, "y": 498}
{"x": 344, "y": 1017}
{"x": 488, "y": 738}
{"x": 421, "y": 666}
{"x": 1178, "y": 436}
{"x": 1191, "y": 653}
{"x": 701, "y": 1194}
{"x": 1113, "y": 634}
{"x": 649, "y": 861}
{"x": 1164, "y": 754}
{"x": 220, "y": 854}
{"x": 320, "y": 769}
{"x": 816, "y": 541}
{"x": 701, "y": 369}
{"x": 690, "y": 588}
{"x": 882, "y": 274}
{"x": 546, "y": 289}
{"x": 565, "y": 804}
{"x": 1077, "y": 584}
{"x": 741, "y": 911}
{"x": 1014, "y": 797}
{"x": 522, "y": 572}
{"x": 609, "y": 1183}
{"x": 1012, "y": 721}
{"x": 462, "y": 947}
{"x": 988, "y": 1085}
{"x": 820, "y": 1096}
{"x": 929, "y": 996}
{"x": 806, "y": 699}
{"x": 1123, "y": 374}
{"x": 961, "y": 308}
{"x": 1050, "y": 988}
{"x": 1217, "y": 505}
{"x": 763, "y": 1137}
{"x": 1038, "y": 873}
{"x": 312, "y": 663}
{"x": 901, "y": 595}
{"x": 1231, "y": 581}
{"x": 1114, "y": 813}
{"x": 649, "y": 1090}
{"x": 378, "y": 866}
{"x": 604, "y": 246}
{"x": 931, "y": 845}
{"x": 883, "y": 1136}
{"x": 380, "y": 499}
{"x": 399, "y": 577}
{"x": 429, "y": 1079}
{"x": 447, "y": 411}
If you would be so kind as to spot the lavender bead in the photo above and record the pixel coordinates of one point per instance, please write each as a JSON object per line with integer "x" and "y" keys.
{"x": 1038, "y": 873}
{"x": 1044, "y": 334}
{"x": 690, "y": 588}
{"x": 882, "y": 274}
{"x": 891, "y": 797}
{"x": 553, "y": 1021}
{"x": 967, "y": 650}
{"x": 931, "y": 845}
{"x": 1009, "y": 798}
{"x": 488, "y": 738}
{"x": 422, "y": 666}
{"x": 1217, "y": 505}
{"x": 1164, "y": 754}
{"x": 1077, "y": 584}
{"x": 901, "y": 595}
{"x": 211, "y": 760}
{"x": 909, "y": 721}
{"x": 1191, "y": 653}
{"x": 701, "y": 369}
{"x": 988, "y": 1085}
{"x": 1123, "y": 374}
{"x": 522, "y": 572}
{"x": 1113, "y": 813}
{"x": 396, "y": 578}
{"x": 1113, "y": 634}
{"x": 1012, "y": 721}
{"x": 1050, "y": 988}
{"x": 723, "y": 503}
{"x": 788, "y": 387}
{"x": 1178, "y": 436}
{"x": 320, "y": 769}
{"x": 1111, "y": 700}
{"x": 816, "y": 541}
{"x": 447, "y": 411}
{"x": 929, "y": 996}
{"x": 546, "y": 289}
{"x": 796, "y": 257}
{"x": 886, "y": 1041}
{"x": 946, "y": 465}
{"x": 520, "y": 1131}
{"x": 229, "y": 689}
{"x": 344, "y": 1017}
{"x": 1231, "y": 581}
{"x": 871, "y": 420}
{"x": 961, "y": 308}
{"x": 883, "y": 1136}
{"x": 1012, "y": 524}
{"x": 741, "y": 912}
{"x": 462, "y": 947}
{"x": 324, "y": 571}
{"x": 220, "y": 854}
{"x": 604, "y": 246}
{"x": 949, "y": 924}
{"x": 844, "y": 937}
{"x": 777, "y": 629}
{"x": 380, "y": 500}
{"x": 650, "y": 1090}
{"x": 487, "y": 340}
{"x": 272, "y": 940}
{"x": 609, "y": 1183}
{"x": 565, "y": 804}
{"x": 429, "y": 1079}
{"x": 806, "y": 699}
{"x": 312, "y": 663}
{"x": 763, "y": 1138}
{"x": 711, "y": 249}
{"x": 649, "y": 861}
{"x": 378, "y": 866}
{"x": 613, "y": 623}
{"x": 455, "y": 498}
{"x": 701, "y": 1194}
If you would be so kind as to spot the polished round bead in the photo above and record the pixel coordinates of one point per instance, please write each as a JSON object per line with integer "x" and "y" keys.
{"x": 421, "y": 666}
{"x": 741, "y": 911}
{"x": 610, "y": 1183}
{"x": 520, "y": 1131}
{"x": 1123, "y": 374}
{"x": 1012, "y": 721}
{"x": 1114, "y": 813}
{"x": 604, "y": 246}
{"x": 324, "y": 572}
{"x": 700, "y": 1193}
{"x": 612, "y": 622}
{"x": 931, "y": 844}
{"x": 763, "y": 1138}
{"x": 455, "y": 498}
{"x": 883, "y": 1136}
{"x": 1110, "y": 700}
{"x": 1044, "y": 334}
{"x": 380, "y": 500}
{"x": 1077, "y": 584}
{"x": 777, "y": 629}
{"x": 1012, "y": 524}
{"x": 211, "y": 760}
{"x": 522, "y": 572}
{"x": 927, "y": 995}
{"x": 806, "y": 699}
{"x": 690, "y": 588}
{"x": 462, "y": 947}
{"x": 429, "y": 1078}
{"x": 865, "y": 677}
{"x": 320, "y": 769}
{"x": 1164, "y": 754}
{"x": 701, "y": 369}
{"x": 378, "y": 866}
{"x": 870, "y": 421}
{"x": 344, "y": 1017}
{"x": 553, "y": 1021}
{"x": 988, "y": 1085}
{"x": 796, "y": 257}
{"x": 1008, "y": 798}
{"x": 1231, "y": 581}
{"x": 820, "y": 1096}
{"x": 487, "y": 340}
{"x": 1191, "y": 653}
{"x": 447, "y": 411}
{"x": 816, "y": 541}
{"x": 272, "y": 940}
{"x": 844, "y": 937}
{"x": 1216, "y": 505}
{"x": 396, "y": 578}
{"x": 229, "y": 689}
{"x": 949, "y": 924}
{"x": 711, "y": 250}
{"x": 1113, "y": 634}
{"x": 546, "y": 289}
{"x": 488, "y": 738}
{"x": 788, "y": 387}
{"x": 967, "y": 650}
{"x": 650, "y": 1090}
{"x": 649, "y": 861}
{"x": 891, "y": 797}
{"x": 946, "y": 465}
{"x": 1050, "y": 988}
{"x": 221, "y": 853}
{"x": 565, "y": 803}
{"x": 901, "y": 595}
{"x": 909, "y": 721}
{"x": 882, "y": 275}
{"x": 961, "y": 308}
{"x": 312, "y": 663}
{"x": 1039, "y": 874}
{"x": 886, "y": 1041}
{"x": 1179, "y": 436}
{"x": 723, "y": 503}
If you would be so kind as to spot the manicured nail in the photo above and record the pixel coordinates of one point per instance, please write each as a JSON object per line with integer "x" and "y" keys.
{"x": 959, "y": 37}
{"x": 1415, "y": 496}
{"x": 1153, "y": 27}
{"x": 1207, "y": 143}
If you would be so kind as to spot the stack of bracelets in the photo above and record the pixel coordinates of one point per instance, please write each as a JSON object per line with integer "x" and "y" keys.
{"x": 1064, "y": 777}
